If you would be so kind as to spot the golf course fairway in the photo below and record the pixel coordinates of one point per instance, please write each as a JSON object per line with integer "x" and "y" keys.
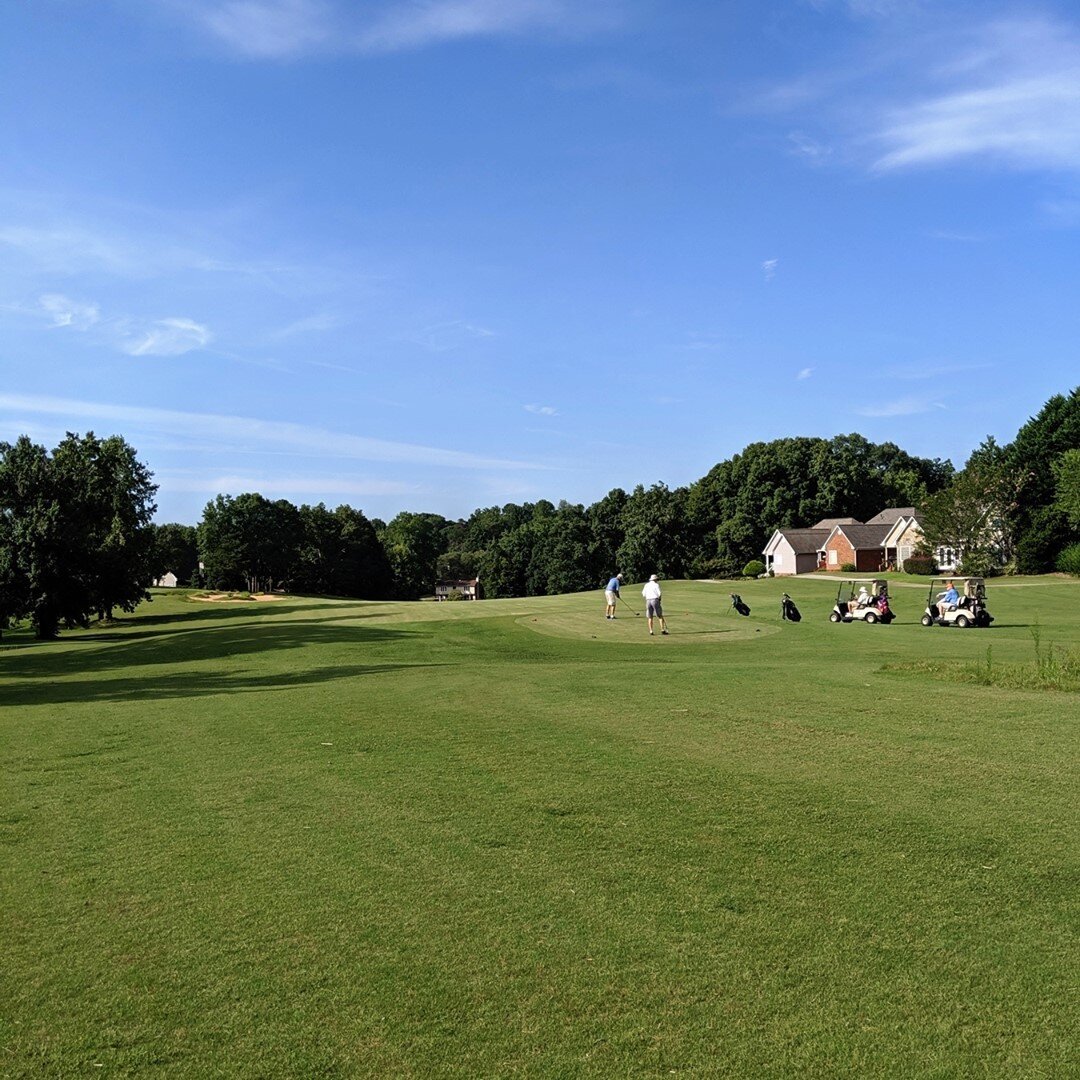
{"x": 329, "y": 838}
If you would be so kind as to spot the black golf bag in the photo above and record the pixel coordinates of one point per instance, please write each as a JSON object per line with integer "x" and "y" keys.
{"x": 738, "y": 605}
{"x": 788, "y": 610}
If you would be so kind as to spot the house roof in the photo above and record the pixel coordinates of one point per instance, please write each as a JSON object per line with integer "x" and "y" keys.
{"x": 892, "y": 515}
{"x": 863, "y": 536}
{"x": 831, "y": 523}
{"x": 900, "y": 528}
{"x": 458, "y": 583}
{"x": 805, "y": 541}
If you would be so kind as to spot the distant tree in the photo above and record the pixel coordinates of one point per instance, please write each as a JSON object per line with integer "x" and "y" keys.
{"x": 413, "y": 544}
{"x": 653, "y": 522}
{"x": 605, "y": 520}
{"x": 560, "y": 559}
{"x": 248, "y": 542}
{"x": 1067, "y": 487}
{"x": 457, "y": 565}
{"x": 174, "y": 549}
{"x": 1041, "y": 529}
{"x": 339, "y": 554}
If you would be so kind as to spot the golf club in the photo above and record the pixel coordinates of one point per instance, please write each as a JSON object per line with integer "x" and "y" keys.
{"x": 625, "y": 604}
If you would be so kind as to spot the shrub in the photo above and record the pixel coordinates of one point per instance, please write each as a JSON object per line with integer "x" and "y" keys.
{"x": 1068, "y": 561}
{"x": 753, "y": 568}
{"x": 848, "y": 568}
{"x": 920, "y": 564}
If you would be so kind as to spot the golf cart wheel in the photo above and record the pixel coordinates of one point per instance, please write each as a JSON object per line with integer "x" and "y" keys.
{"x": 834, "y": 616}
{"x": 963, "y": 621}
{"x": 870, "y": 618}
{"x": 927, "y": 621}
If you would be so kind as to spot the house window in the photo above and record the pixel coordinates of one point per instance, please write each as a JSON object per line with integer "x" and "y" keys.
{"x": 833, "y": 560}
{"x": 778, "y": 558}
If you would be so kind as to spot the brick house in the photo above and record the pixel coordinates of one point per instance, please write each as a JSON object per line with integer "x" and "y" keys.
{"x": 857, "y": 545}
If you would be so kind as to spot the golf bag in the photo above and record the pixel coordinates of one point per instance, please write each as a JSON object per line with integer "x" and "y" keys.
{"x": 738, "y": 605}
{"x": 788, "y": 610}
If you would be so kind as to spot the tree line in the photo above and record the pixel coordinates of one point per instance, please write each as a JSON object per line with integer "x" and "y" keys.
{"x": 76, "y": 541}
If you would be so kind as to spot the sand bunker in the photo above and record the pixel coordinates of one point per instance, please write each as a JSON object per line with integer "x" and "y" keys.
{"x": 233, "y": 598}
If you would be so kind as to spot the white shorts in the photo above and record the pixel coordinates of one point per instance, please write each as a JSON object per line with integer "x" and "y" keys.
{"x": 611, "y": 597}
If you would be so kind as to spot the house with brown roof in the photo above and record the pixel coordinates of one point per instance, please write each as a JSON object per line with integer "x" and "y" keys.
{"x": 856, "y": 545}
{"x": 795, "y": 551}
{"x": 458, "y": 588}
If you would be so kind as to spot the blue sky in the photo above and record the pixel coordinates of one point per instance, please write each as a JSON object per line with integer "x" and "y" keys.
{"x": 444, "y": 254}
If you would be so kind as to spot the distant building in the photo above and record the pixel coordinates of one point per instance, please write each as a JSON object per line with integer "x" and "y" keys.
{"x": 166, "y": 581}
{"x": 856, "y": 545}
{"x": 467, "y": 588}
{"x": 795, "y": 551}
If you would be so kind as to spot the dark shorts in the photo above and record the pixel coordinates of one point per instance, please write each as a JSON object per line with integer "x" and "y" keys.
{"x": 653, "y": 609}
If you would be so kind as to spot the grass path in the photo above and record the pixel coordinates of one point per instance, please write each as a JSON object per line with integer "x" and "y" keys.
{"x": 331, "y": 838}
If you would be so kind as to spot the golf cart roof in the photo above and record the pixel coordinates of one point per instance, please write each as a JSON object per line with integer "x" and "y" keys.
{"x": 865, "y": 581}
{"x": 955, "y": 579}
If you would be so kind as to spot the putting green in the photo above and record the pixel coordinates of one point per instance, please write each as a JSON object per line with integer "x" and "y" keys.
{"x": 630, "y": 630}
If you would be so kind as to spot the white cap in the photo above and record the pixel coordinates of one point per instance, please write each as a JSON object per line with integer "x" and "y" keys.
{"x": 653, "y": 577}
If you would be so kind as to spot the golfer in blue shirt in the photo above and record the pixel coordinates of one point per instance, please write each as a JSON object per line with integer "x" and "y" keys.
{"x": 611, "y": 595}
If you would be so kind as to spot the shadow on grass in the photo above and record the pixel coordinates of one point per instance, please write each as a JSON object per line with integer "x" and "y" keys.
{"x": 103, "y": 653}
{"x": 184, "y": 684}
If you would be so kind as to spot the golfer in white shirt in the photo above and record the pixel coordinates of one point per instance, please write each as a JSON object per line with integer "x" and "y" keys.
{"x": 651, "y": 592}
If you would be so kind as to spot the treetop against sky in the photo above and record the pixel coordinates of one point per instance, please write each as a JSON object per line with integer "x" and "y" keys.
{"x": 440, "y": 255}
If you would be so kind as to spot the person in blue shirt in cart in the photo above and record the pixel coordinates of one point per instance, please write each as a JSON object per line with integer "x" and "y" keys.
{"x": 948, "y": 599}
{"x": 611, "y": 595}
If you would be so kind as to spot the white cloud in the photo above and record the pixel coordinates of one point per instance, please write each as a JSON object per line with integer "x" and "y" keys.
{"x": 65, "y": 312}
{"x": 805, "y": 147}
{"x": 169, "y": 337}
{"x": 805, "y": 373}
{"x": 241, "y": 433}
{"x": 441, "y": 337}
{"x": 542, "y": 410}
{"x": 312, "y": 324}
{"x": 284, "y": 29}
{"x": 769, "y": 268}
{"x": 281, "y": 486}
{"x": 906, "y": 406}
{"x": 263, "y": 29}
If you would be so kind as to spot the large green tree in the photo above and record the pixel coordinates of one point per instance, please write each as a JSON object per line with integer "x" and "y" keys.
{"x": 74, "y": 530}
{"x": 1041, "y": 528}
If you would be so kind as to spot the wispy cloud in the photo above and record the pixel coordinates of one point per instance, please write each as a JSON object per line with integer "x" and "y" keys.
{"x": 280, "y": 485}
{"x": 263, "y": 29}
{"x": 805, "y": 373}
{"x": 247, "y": 433}
{"x": 905, "y": 406}
{"x": 768, "y": 267}
{"x": 63, "y": 311}
{"x": 1004, "y": 91}
{"x": 442, "y": 337}
{"x": 286, "y": 29}
{"x": 542, "y": 410}
{"x": 311, "y": 324}
{"x": 168, "y": 337}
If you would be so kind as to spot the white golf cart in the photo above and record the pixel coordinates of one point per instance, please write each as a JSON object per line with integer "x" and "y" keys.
{"x": 969, "y": 610}
{"x": 862, "y": 600}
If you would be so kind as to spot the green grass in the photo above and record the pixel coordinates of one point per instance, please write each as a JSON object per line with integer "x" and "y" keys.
{"x": 328, "y": 838}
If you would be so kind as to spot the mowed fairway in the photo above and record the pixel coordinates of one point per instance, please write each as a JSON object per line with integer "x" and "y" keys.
{"x": 323, "y": 838}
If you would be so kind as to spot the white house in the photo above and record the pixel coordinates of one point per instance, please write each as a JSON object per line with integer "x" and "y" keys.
{"x": 466, "y": 588}
{"x": 794, "y": 551}
{"x": 166, "y": 581}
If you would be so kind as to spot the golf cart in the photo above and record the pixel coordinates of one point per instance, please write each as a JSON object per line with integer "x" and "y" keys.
{"x": 862, "y": 600}
{"x": 969, "y": 610}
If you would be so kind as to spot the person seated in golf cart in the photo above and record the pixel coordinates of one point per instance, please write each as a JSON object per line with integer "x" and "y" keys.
{"x": 948, "y": 600}
{"x": 864, "y": 599}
